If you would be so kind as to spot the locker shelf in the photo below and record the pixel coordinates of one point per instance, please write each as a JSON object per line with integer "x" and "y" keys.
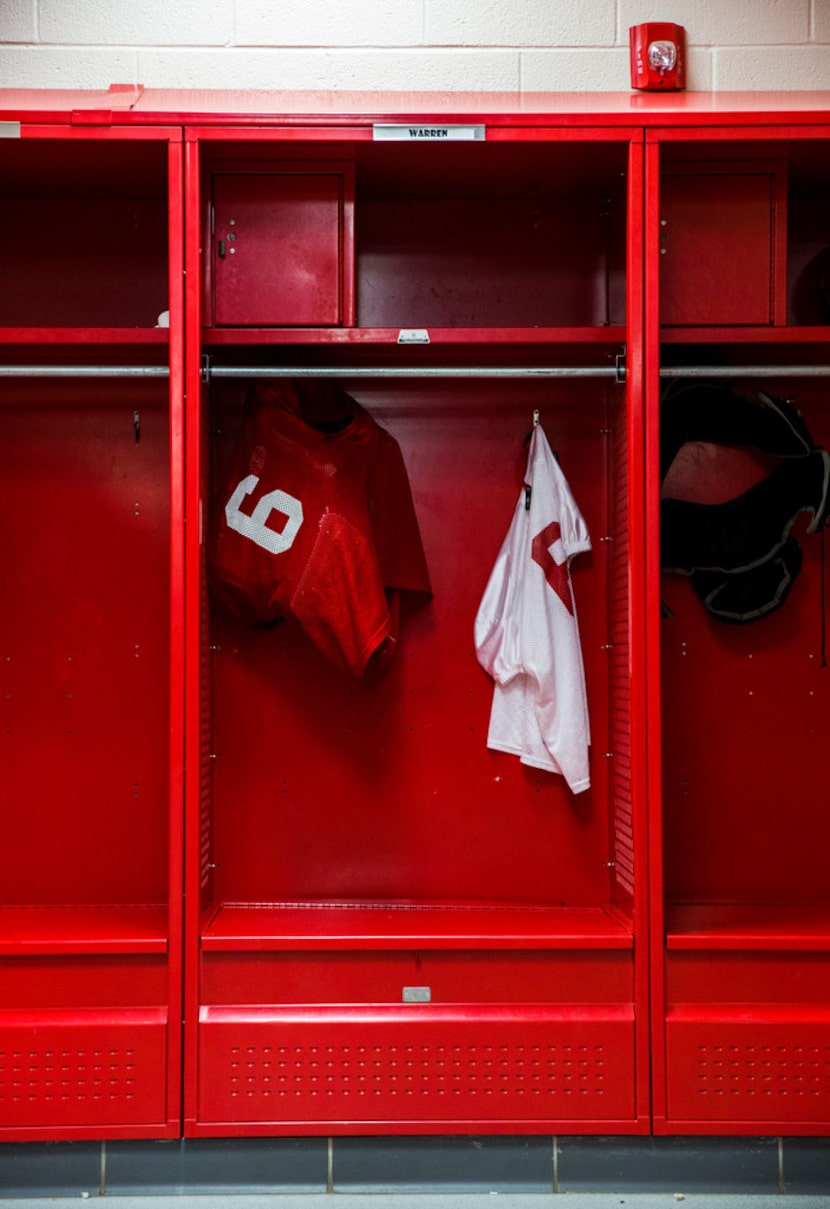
{"x": 379, "y": 925}
{"x": 751, "y": 926}
{"x": 767, "y": 334}
{"x": 609, "y": 334}
{"x": 84, "y": 335}
{"x": 83, "y": 929}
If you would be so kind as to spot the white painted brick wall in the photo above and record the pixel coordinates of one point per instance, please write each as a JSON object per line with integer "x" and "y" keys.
{"x": 419, "y": 45}
{"x": 388, "y": 70}
{"x": 144, "y": 23}
{"x": 276, "y": 23}
{"x": 17, "y": 21}
{"x": 521, "y": 23}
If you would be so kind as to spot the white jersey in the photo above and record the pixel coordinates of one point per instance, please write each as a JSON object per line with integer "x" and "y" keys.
{"x": 526, "y": 631}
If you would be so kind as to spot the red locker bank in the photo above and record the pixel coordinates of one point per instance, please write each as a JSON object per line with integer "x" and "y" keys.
{"x": 249, "y": 892}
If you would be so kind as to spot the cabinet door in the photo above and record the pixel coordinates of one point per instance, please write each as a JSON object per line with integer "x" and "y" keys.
{"x": 277, "y": 249}
{"x": 717, "y": 248}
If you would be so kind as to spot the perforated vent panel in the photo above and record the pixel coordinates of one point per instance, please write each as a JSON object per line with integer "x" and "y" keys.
{"x": 432, "y": 1069}
{"x": 763, "y": 1072}
{"x": 64, "y": 1074}
{"x": 423, "y": 1070}
{"x": 619, "y": 607}
{"x": 81, "y": 1074}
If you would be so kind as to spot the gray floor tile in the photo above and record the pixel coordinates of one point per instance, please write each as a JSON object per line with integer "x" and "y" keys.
{"x": 435, "y": 1164}
{"x": 471, "y": 1201}
{"x": 32, "y": 1169}
{"x": 671, "y": 1165}
{"x": 807, "y": 1165}
{"x": 245, "y": 1165}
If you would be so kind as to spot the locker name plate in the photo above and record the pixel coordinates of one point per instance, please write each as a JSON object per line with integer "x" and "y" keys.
{"x": 9, "y": 130}
{"x": 382, "y": 132}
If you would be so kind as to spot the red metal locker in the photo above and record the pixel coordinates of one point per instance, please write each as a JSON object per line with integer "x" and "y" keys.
{"x": 366, "y": 881}
{"x": 740, "y": 911}
{"x": 92, "y": 617}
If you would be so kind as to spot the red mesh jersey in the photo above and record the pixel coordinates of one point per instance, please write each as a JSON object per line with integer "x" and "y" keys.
{"x": 314, "y": 519}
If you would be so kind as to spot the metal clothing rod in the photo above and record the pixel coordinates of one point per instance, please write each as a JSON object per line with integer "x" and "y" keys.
{"x": 84, "y": 371}
{"x": 399, "y": 371}
{"x": 745, "y": 371}
{"x": 617, "y": 372}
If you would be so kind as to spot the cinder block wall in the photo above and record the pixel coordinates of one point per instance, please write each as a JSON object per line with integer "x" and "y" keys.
{"x": 513, "y": 45}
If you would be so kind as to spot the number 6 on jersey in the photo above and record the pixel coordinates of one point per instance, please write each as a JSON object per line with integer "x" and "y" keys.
{"x": 255, "y": 527}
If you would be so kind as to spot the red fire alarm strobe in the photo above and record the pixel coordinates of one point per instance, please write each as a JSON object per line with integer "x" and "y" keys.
{"x": 658, "y": 55}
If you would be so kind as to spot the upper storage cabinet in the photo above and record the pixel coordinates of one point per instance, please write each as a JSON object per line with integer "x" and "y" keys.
{"x": 744, "y": 228}
{"x": 414, "y": 236}
{"x": 85, "y": 224}
{"x": 723, "y": 243}
{"x": 282, "y": 245}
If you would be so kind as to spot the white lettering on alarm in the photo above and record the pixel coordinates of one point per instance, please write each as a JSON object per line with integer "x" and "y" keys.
{"x": 255, "y": 527}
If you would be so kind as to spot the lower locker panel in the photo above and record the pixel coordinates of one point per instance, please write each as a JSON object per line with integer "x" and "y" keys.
{"x": 747, "y": 1064}
{"x": 388, "y": 1064}
{"x": 61, "y": 1068}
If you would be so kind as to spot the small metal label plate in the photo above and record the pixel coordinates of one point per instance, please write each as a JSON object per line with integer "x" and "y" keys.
{"x": 417, "y": 994}
{"x": 383, "y": 132}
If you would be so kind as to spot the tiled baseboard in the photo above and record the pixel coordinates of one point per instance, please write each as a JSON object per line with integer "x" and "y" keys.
{"x": 418, "y": 1164}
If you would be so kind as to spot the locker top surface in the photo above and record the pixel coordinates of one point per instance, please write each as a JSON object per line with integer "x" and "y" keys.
{"x": 134, "y": 104}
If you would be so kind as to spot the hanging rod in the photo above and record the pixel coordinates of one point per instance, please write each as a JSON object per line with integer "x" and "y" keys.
{"x": 84, "y": 371}
{"x": 617, "y": 372}
{"x": 412, "y": 371}
{"x": 745, "y": 371}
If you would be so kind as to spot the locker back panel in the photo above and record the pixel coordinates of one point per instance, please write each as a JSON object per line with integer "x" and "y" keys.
{"x": 85, "y": 620}
{"x": 86, "y": 233}
{"x": 325, "y": 789}
{"x": 745, "y": 710}
{"x": 84, "y": 262}
{"x": 457, "y": 263}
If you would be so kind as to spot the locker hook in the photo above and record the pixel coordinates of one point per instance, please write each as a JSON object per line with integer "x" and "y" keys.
{"x": 536, "y": 417}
